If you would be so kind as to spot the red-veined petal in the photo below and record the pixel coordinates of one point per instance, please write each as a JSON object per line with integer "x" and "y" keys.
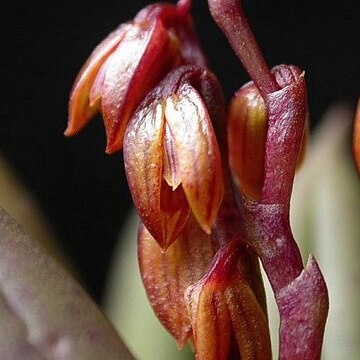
{"x": 166, "y": 275}
{"x": 143, "y": 153}
{"x": 222, "y": 304}
{"x": 144, "y": 56}
{"x": 197, "y": 153}
{"x": 80, "y": 110}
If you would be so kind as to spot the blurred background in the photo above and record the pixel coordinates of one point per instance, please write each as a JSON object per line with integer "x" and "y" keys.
{"x": 82, "y": 190}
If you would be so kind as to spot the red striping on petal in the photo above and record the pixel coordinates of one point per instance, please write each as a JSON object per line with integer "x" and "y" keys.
{"x": 171, "y": 162}
{"x": 145, "y": 55}
{"x": 248, "y": 320}
{"x": 80, "y": 110}
{"x": 143, "y": 148}
{"x": 166, "y": 275}
{"x": 198, "y": 154}
{"x": 174, "y": 213}
{"x": 223, "y": 308}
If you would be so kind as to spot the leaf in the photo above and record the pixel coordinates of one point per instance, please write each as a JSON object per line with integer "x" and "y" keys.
{"x": 44, "y": 313}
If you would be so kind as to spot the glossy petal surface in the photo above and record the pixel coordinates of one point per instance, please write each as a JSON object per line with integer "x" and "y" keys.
{"x": 143, "y": 147}
{"x": 146, "y": 53}
{"x": 223, "y": 305}
{"x": 247, "y": 124}
{"x": 80, "y": 110}
{"x": 197, "y": 161}
{"x": 163, "y": 210}
{"x": 166, "y": 275}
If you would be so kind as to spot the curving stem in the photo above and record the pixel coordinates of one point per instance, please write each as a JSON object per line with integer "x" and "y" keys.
{"x": 300, "y": 293}
{"x": 229, "y": 16}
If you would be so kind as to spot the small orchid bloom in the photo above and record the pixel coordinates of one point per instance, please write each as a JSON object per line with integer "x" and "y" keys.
{"x": 172, "y": 159}
{"x": 127, "y": 64}
{"x": 206, "y": 293}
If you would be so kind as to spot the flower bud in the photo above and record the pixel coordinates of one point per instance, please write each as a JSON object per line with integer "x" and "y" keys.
{"x": 225, "y": 315}
{"x": 247, "y": 126}
{"x": 166, "y": 275}
{"x": 172, "y": 158}
{"x": 128, "y": 64}
{"x": 247, "y": 131}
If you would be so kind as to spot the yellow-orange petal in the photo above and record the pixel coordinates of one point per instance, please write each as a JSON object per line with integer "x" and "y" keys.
{"x": 166, "y": 275}
{"x": 211, "y": 324}
{"x": 247, "y": 125}
{"x": 356, "y": 137}
{"x": 80, "y": 109}
{"x": 197, "y": 155}
{"x": 171, "y": 165}
{"x": 146, "y": 53}
{"x": 143, "y": 149}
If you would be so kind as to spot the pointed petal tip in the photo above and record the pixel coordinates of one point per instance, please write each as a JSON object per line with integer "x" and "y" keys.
{"x": 68, "y": 132}
{"x": 114, "y": 145}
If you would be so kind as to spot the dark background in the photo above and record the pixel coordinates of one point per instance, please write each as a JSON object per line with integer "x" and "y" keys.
{"x": 82, "y": 190}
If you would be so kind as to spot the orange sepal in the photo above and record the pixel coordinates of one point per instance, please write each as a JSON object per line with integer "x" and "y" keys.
{"x": 223, "y": 307}
{"x": 80, "y": 109}
{"x": 143, "y": 148}
{"x": 195, "y": 154}
{"x": 146, "y": 53}
{"x": 166, "y": 275}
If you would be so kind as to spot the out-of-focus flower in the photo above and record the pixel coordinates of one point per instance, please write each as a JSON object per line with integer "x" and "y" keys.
{"x": 128, "y": 63}
{"x": 172, "y": 159}
{"x": 325, "y": 219}
{"x": 356, "y": 137}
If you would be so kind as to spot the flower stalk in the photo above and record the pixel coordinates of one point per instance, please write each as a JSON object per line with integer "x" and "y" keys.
{"x": 199, "y": 241}
{"x": 300, "y": 293}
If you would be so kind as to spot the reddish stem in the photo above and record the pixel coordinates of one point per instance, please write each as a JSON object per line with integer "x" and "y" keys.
{"x": 229, "y": 16}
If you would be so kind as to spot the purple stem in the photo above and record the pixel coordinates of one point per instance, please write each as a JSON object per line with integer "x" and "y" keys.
{"x": 300, "y": 293}
{"x": 229, "y": 16}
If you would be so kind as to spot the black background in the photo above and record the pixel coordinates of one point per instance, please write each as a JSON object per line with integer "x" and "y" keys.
{"x": 82, "y": 190}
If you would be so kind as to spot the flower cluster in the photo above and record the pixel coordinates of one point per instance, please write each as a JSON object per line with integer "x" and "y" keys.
{"x": 201, "y": 239}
